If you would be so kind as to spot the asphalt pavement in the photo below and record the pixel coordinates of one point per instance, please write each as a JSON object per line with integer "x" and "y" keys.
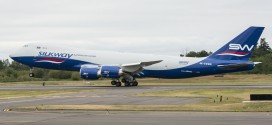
{"x": 107, "y": 95}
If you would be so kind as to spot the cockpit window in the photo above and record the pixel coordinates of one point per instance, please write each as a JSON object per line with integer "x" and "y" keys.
{"x": 25, "y": 45}
{"x": 38, "y": 47}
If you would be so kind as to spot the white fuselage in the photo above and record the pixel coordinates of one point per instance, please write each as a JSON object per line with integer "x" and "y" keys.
{"x": 105, "y": 57}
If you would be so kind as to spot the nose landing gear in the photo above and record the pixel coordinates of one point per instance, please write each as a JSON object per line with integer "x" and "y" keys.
{"x": 31, "y": 74}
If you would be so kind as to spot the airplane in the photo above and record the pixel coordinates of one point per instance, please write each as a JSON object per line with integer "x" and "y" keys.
{"x": 126, "y": 67}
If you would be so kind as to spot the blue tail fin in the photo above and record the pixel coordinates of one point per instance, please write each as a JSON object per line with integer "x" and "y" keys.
{"x": 241, "y": 47}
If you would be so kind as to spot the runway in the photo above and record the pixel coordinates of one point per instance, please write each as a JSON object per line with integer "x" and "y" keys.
{"x": 134, "y": 118}
{"x": 103, "y": 96}
{"x": 107, "y": 95}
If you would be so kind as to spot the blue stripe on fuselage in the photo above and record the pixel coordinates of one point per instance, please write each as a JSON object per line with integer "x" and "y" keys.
{"x": 68, "y": 64}
{"x": 205, "y": 67}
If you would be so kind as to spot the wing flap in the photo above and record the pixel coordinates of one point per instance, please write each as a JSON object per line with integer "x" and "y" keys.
{"x": 135, "y": 67}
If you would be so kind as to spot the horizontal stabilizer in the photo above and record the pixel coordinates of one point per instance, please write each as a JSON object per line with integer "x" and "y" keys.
{"x": 233, "y": 66}
{"x": 255, "y": 63}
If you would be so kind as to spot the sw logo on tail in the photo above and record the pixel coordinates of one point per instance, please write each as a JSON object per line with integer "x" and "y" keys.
{"x": 240, "y": 47}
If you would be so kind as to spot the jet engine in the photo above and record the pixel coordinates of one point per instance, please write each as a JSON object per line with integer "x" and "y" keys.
{"x": 93, "y": 73}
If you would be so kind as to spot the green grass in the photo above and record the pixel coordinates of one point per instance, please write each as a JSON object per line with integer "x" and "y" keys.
{"x": 241, "y": 107}
{"x": 47, "y": 83}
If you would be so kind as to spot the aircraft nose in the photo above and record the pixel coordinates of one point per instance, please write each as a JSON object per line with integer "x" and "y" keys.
{"x": 13, "y": 55}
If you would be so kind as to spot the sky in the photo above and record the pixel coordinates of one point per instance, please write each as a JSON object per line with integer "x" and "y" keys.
{"x": 168, "y": 27}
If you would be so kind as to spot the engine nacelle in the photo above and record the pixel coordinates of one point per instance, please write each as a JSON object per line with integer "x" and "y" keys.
{"x": 94, "y": 73}
{"x": 110, "y": 72}
{"x": 89, "y": 73}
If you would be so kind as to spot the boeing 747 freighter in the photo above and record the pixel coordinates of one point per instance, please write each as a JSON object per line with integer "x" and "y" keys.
{"x": 127, "y": 67}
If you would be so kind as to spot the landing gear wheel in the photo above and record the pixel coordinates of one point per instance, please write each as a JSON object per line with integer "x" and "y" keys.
{"x": 127, "y": 84}
{"x": 113, "y": 82}
{"x": 31, "y": 74}
{"x": 135, "y": 83}
{"x": 118, "y": 84}
{"x": 123, "y": 80}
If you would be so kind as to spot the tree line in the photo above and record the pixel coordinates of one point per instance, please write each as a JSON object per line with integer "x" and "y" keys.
{"x": 13, "y": 71}
{"x": 262, "y": 53}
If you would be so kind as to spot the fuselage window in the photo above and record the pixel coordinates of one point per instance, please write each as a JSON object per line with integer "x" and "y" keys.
{"x": 25, "y": 45}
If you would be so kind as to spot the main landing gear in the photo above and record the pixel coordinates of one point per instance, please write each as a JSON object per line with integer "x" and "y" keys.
{"x": 127, "y": 83}
{"x": 116, "y": 83}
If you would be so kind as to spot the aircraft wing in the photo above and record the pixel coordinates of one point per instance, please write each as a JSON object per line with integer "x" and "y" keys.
{"x": 136, "y": 67}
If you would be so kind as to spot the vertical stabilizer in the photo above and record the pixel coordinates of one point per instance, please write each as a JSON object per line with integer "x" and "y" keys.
{"x": 241, "y": 47}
